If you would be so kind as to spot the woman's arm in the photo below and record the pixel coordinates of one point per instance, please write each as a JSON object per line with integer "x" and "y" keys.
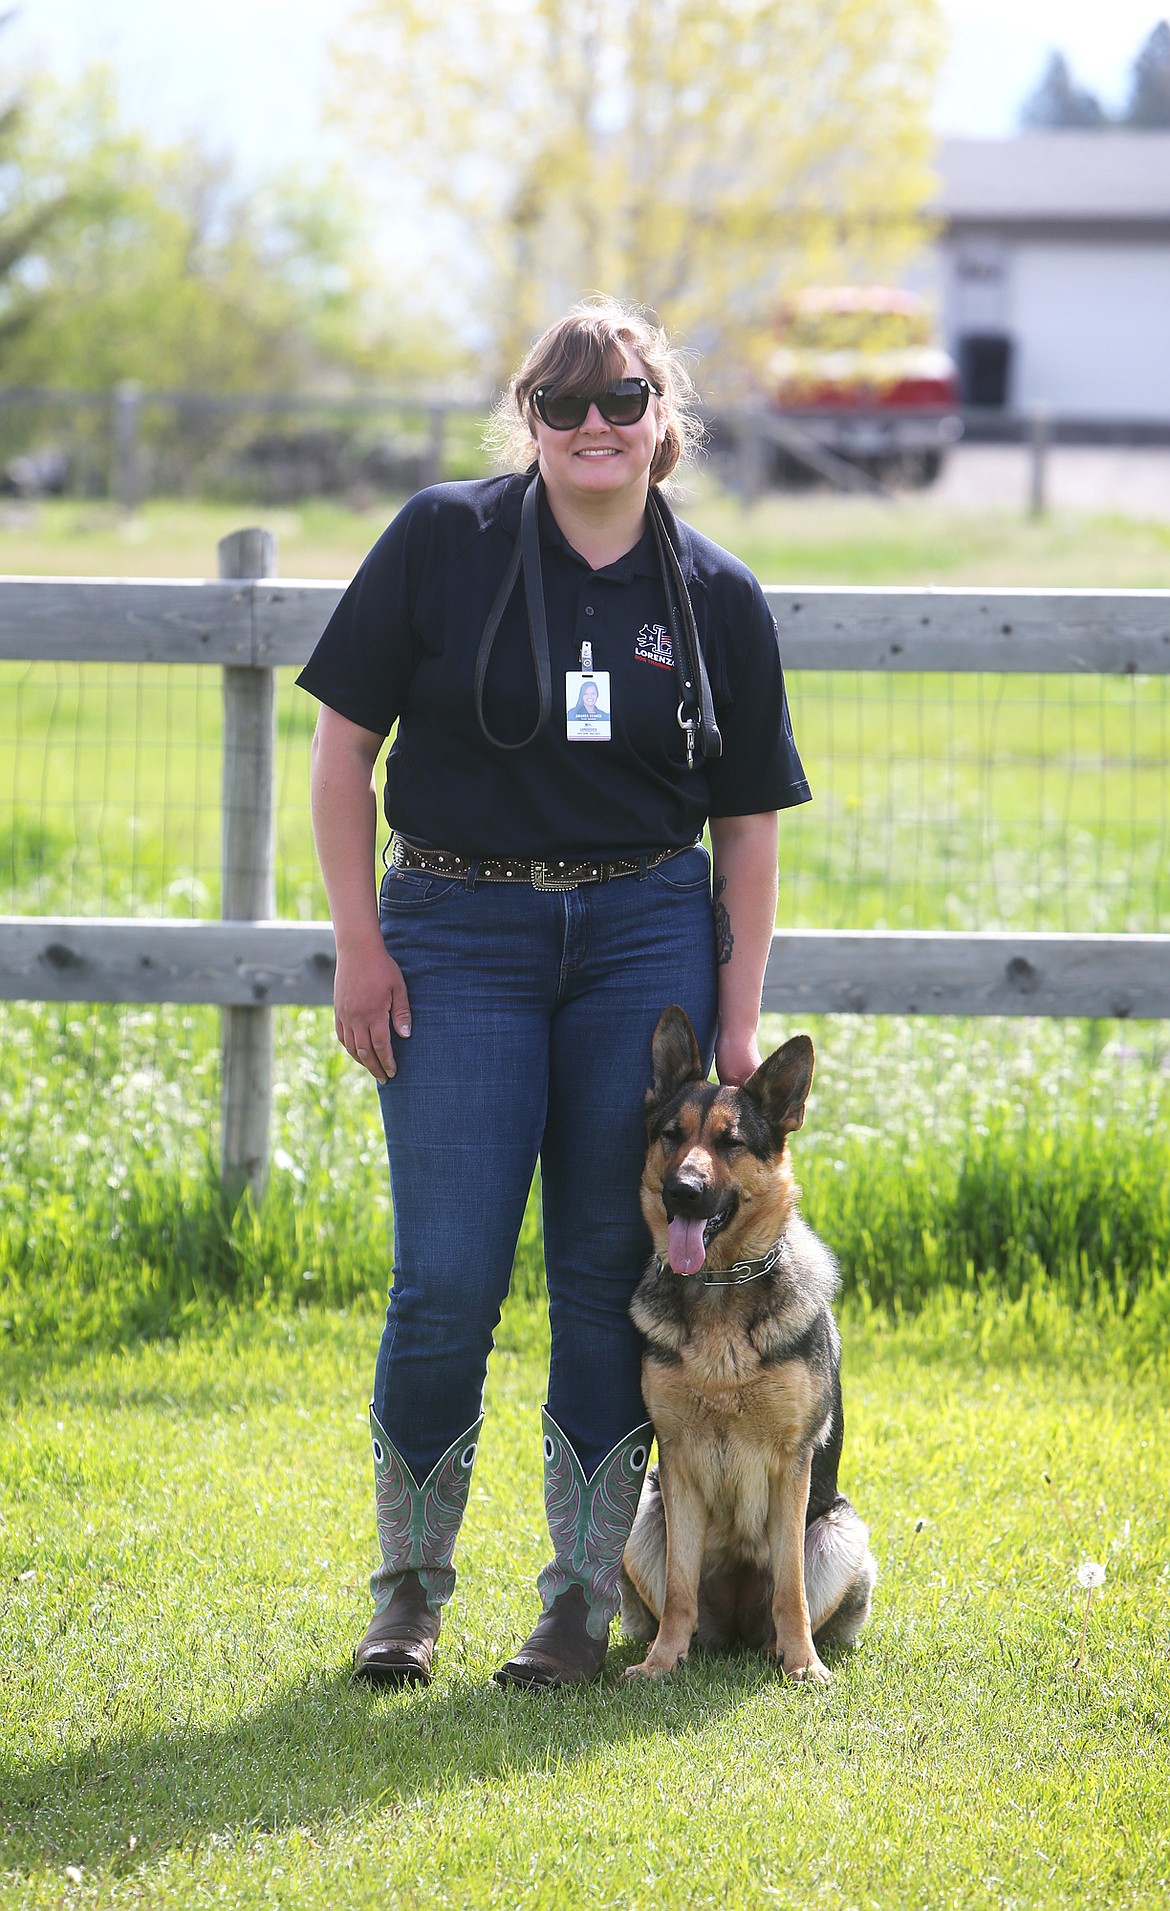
{"x": 368, "y": 990}
{"x": 744, "y": 894}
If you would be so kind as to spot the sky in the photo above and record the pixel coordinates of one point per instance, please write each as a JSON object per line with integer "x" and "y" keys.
{"x": 249, "y": 75}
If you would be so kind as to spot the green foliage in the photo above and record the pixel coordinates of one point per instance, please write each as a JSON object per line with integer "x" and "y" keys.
{"x": 186, "y": 1536}
{"x": 28, "y": 212}
{"x": 950, "y": 1159}
{"x": 160, "y": 268}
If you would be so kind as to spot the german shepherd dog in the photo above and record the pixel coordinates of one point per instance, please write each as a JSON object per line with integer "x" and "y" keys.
{"x": 741, "y": 1537}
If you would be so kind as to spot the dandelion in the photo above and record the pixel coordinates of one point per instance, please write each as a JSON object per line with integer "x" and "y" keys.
{"x": 1090, "y": 1575}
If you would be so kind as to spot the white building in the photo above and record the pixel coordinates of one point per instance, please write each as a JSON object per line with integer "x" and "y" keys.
{"x": 1055, "y": 272}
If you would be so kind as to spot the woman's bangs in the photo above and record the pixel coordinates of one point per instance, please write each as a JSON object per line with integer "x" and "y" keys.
{"x": 584, "y": 362}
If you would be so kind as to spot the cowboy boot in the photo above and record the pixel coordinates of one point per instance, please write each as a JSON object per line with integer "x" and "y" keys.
{"x": 417, "y": 1529}
{"x": 589, "y": 1521}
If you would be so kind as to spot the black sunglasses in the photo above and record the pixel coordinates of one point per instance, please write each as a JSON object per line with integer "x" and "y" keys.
{"x": 623, "y": 405}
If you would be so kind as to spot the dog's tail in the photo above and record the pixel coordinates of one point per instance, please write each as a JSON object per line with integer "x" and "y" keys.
{"x": 839, "y": 1574}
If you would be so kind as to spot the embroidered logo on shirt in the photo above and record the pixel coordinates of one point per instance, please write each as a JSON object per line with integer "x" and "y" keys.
{"x": 653, "y": 646}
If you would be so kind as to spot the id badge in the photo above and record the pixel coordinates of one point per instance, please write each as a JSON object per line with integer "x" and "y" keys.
{"x": 587, "y": 706}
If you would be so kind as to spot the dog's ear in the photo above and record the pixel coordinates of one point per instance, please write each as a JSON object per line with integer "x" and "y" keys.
{"x": 780, "y": 1085}
{"x": 675, "y": 1056}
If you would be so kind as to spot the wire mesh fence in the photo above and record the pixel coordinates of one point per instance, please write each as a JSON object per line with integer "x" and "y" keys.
{"x": 960, "y": 801}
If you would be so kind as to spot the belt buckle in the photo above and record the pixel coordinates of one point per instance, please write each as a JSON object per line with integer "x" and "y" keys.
{"x": 541, "y": 879}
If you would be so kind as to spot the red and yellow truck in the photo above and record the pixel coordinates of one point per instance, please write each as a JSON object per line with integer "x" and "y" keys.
{"x": 856, "y": 369}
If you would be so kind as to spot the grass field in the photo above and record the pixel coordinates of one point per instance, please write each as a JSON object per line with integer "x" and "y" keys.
{"x": 185, "y": 1538}
{"x": 185, "y": 1515}
{"x": 785, "y": 539}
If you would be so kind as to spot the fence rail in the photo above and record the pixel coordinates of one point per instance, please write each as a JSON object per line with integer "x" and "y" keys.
{"x": 258, "y": 964}
{"x": 249, "y": 625}
{"x": 265, "y": 624}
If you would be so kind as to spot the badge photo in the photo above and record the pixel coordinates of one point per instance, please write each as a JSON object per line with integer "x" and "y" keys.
{"x": 587, "y": 706}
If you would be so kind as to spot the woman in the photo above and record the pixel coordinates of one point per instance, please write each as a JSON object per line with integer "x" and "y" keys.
{"x": 542, "y": 885}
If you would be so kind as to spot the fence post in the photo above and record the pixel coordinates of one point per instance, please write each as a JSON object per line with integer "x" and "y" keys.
{"x": 751, "y": 451}
{"x": 1039, "y": 436}
{"x": 127, "y": 446}
{"x": 248, "y": 880}
{"x": 432, "y": 472}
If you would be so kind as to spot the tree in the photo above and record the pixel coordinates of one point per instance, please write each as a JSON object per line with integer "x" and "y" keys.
{"x": 25, "y": 218}
{"x": 1058, "y": 104}
{"x": 1149, "y": 94}
{"x": 700, "y": 156}
{"x": 158, "y": 267}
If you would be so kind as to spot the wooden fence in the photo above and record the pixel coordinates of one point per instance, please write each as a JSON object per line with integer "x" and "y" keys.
{"x": 248, "y": 623}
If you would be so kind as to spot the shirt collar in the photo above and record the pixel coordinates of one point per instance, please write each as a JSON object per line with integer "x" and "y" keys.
{"x": 642, "y": 561}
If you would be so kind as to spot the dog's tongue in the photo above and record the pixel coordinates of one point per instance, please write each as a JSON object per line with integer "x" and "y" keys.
{"x": 684, "y": 1245}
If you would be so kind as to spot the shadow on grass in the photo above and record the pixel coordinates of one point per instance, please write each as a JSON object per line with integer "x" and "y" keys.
{"x": 330, "y": 1749}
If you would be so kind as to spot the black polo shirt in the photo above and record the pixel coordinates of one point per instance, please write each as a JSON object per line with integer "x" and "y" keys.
{"x": 401, "y": 648}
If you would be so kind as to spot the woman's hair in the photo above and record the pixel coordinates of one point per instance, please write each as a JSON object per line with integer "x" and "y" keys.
{"x": 587, "y": 351}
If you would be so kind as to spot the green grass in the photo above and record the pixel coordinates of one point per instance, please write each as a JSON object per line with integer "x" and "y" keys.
{"x": 1026, "y": 1158}
{"x": 186, "y": 1533}
{"x": 916, "y": 540}
{"x": 785, "y": 539}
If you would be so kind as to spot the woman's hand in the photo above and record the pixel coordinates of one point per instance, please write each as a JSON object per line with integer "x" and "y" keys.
{"x": 370, "y": 999}
{"x": 744, "y": 900}
{"x": 737, "y": 1056}
{"x": 369, "y": 994}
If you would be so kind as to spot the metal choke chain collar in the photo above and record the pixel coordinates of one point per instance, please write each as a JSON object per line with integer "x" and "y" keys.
{"x": 738, "y": 1273}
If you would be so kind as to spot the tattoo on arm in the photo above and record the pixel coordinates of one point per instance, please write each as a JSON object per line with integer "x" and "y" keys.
{"x": 724, "y": 940}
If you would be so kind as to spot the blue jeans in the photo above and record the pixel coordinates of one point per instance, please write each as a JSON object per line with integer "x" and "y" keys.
{"x": 532, "y": 1014}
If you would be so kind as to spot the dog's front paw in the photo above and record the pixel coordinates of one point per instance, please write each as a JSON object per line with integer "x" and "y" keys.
{"x": 799, "y": 1661}
{"x": 659, "y": 1661}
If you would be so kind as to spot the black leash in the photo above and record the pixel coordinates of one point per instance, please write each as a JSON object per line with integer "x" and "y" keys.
{"x": 526, "y": 554}
{"x": 696, "y": 711}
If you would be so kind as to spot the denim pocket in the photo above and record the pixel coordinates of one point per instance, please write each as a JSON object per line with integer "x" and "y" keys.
{"x": 414, "y": 889}
{"x": 684, "y": 873}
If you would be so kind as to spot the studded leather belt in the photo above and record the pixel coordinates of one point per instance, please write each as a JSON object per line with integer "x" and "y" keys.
{"x": 556, "y": 873}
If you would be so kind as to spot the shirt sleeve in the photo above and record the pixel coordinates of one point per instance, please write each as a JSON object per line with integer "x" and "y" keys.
{"x": 760, "y": 768}
{"x": 368, "y": 651}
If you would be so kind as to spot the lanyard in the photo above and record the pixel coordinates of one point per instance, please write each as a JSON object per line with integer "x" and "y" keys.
{"x": 696, "y": 711}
